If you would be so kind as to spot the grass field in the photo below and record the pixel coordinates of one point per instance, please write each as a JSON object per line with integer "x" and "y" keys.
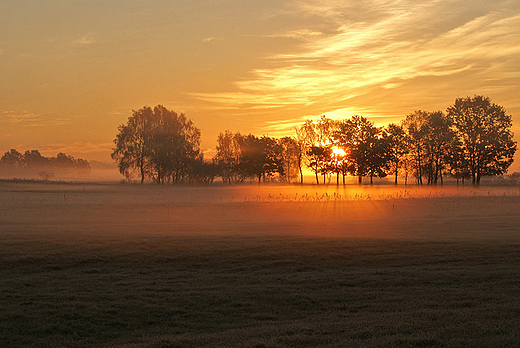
{"x": 277, "y": 266}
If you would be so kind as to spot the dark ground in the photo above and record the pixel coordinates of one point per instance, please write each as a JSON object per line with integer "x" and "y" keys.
{"x": 112, "y": 267}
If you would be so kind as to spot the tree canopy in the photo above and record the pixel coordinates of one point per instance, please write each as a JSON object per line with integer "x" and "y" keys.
{"x": 158, "y": 144}
{"x": 485, "y": 139}
{"x": 240, "y": 157}
{"x": 471, "y": 139}
{"x": 33, "y": 164}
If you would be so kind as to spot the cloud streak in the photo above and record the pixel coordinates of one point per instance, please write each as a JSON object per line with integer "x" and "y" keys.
{"x": 77, "y": 147}
{"x": 85, "y": 40}
{"x": 395, "y": 43}
{"x": 31, "y": 119}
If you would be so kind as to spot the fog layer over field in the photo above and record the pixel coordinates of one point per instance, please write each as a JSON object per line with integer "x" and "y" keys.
{"x": 247, "y": 266}
{"x": 356, "y": 212}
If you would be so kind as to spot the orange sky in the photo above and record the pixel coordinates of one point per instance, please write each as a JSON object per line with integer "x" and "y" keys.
{"x": 72, "y": 71}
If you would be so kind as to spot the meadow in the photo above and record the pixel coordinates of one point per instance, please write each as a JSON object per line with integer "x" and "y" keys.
{"x": 112, "y": 265}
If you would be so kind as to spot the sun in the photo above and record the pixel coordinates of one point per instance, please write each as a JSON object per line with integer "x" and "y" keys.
{"x": 338, "y": 151}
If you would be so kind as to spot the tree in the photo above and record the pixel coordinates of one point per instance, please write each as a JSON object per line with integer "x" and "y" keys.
{"x": 484, "y": 131}
{"x": 82, "y": 167}
{"x": 158, "y": 144}
{"x": 247, "y": 156}
{"x": 397, "y": 149}
{"x": 203, "y": 172}
{"x": 67, "y": 164}
{"x": 174, "y": 145}
{"x": 317, "y": 139}
{"x": 228, "y": 156}
{"x": 132, "y": 141}
{"x": 416, "y": 129}
{"x": 366, "y": 146}
{"x": 439, "y": 142}
{"x": 33, "y": 160}
{"x": 33, "y": 164}
{"x": 300, "y": 142}
{"x": 458, "y": 164}
{"x": 12, "y": 159}
{"x": 290, "y": 158}
{"x": 254, "y": 157}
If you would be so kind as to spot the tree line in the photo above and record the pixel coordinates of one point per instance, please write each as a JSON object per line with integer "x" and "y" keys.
{"x": 32, "y": 163}
{"x": 472, "y": 139}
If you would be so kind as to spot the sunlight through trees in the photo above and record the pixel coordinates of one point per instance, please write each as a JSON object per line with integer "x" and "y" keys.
{"x": 471, "y": 140}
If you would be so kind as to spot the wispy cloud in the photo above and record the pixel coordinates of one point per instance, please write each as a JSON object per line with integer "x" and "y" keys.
{"x": 212, "y": 38}
{"x": 394, "y": 43}
{"x": 297, "y": 34}
{"x": 22, "y": 119}
{"x": 287, "y": 126}
{"x": 85, "y": 40}
{"x": 31, "y": 119}
{"x": 77, "y": 147}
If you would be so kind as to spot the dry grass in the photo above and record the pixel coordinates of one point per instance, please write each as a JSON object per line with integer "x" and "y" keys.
{"x": 126, "y": 266}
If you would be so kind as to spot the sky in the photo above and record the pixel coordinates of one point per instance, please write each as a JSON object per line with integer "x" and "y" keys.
{"x": 71, "y": 71}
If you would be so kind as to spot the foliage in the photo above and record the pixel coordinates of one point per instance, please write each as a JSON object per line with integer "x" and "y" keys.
{"x": 431, "y": 142}
{"x": 33, "y": 164}
{"x": 317, "y": 139}
{"x": 397, "y": 149}
{"x": 473, "y": 139}
{"x": 353, "y": 146}
{"x": 157, "y": 144}
{"x": 246, "y": 156}
{"x": 485, "y": 138}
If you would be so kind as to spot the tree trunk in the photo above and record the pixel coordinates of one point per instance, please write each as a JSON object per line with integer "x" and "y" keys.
{"x": 142, "y": 172}
{"x": 301, "y": 171}
{"x": 360, "y": 180}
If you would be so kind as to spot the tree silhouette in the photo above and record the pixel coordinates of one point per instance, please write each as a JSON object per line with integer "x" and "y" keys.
{"x": 416, "y": 130}
{"x": 247, "y": 156}
{"x": 291, "y": 157}
{"x": 228, "y": 156}
{"x": 484, "y": 132}
{"x": 317, "y": 139}
{"x": 12, "y": 159}
{"x": 158, "y": 144}
{"x": 472, "y": 140}
{"x": 365, "y": 145}
{"x": 439, "y": 141}
{"x": 33, "y": 164}
{"x": 397, "y": 149}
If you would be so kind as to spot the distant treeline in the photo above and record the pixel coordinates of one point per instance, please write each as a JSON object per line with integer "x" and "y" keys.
{"x": 471, "y": 139}
{"x": 32, "y": 164}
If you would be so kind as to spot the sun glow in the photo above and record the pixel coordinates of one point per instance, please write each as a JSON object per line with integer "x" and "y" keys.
{"x": 338, "y": 152}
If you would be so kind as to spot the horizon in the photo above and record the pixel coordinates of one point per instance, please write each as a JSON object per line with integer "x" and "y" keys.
{"x": 74, "y": 72}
